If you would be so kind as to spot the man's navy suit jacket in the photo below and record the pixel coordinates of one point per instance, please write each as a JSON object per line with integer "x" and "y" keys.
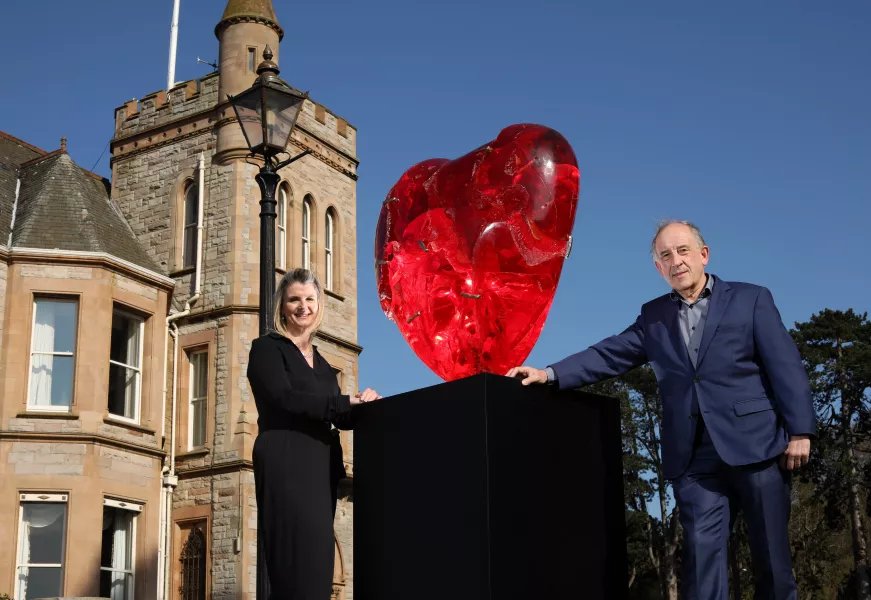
{"x": 749, "y": 383}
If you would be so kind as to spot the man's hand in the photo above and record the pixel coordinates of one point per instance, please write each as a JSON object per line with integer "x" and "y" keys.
{"x": 797, "y": 454}
{"x": 529, "y": 375}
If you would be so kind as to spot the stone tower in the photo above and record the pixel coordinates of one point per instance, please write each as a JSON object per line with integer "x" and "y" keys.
{"x": 184, "y": 183}
{"x": 246, "y": 28}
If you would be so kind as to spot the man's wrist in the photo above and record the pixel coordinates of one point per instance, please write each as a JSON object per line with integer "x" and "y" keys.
{"x": 551, "y": 376}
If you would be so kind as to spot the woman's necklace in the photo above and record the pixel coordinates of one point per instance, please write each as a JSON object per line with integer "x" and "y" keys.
{"x": 309, "y": 354}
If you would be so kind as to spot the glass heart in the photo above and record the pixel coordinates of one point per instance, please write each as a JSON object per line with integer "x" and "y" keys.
{"x": 468, "y": 252}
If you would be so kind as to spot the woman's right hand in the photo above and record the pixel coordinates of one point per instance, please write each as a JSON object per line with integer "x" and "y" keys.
{"x": 367, "y": 395}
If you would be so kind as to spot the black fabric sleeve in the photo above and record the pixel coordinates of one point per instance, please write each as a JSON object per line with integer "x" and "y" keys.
{"x": 270, "y": 385}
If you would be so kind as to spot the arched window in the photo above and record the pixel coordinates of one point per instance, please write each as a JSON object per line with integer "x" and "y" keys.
{"x": 281, "y": 229}
{"x": 306, "y": 232}
{"x": 191, "y": 209}
{"x": 329, "y": 245}
{"x": 193, "y": 566}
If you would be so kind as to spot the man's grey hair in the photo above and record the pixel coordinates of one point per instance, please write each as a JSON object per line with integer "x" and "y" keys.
{"x": 665, "y": 223}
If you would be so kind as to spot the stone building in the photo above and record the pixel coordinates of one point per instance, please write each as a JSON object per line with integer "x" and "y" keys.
{"x": 127, "y": 310}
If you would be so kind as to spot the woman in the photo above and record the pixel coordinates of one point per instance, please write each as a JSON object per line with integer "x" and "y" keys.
{"x": 298, "y": 398}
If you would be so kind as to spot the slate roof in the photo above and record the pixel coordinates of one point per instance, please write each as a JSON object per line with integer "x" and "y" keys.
{"x": 62, "y": 206}
{"x": 13, "y": 152}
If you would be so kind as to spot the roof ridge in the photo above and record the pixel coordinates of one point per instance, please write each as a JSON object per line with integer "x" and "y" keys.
{"x": 58, "y": 152}
{"x": 33, "y": 161}
{"x": 12, "y": 138}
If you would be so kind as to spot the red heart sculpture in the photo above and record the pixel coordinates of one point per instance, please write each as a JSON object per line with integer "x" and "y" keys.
{"x": 468, "y": 253}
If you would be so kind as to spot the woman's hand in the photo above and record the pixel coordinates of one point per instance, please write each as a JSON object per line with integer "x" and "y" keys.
{"x": 367, "y": 395}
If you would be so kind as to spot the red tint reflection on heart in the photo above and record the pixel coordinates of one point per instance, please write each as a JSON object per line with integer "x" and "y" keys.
{"x": 468, "y": 252}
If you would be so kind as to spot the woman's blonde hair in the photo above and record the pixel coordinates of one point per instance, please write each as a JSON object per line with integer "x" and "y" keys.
{"x": 305, "y": 277}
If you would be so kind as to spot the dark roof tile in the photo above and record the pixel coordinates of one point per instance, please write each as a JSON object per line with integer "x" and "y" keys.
{"x": 62, "y": 206}
{"x": 13, "y": 152}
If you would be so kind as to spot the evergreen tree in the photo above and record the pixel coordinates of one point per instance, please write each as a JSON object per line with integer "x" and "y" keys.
{"x": 836, "y": 350}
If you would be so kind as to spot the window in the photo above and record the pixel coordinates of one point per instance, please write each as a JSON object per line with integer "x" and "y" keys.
{"x": 41, "y": 541}
{"x": 125, "y": 371}
{"x": 52, "y": 354}
{"x": 117, "y": 557}
{"x": 252, "y": 58}
{"x": 306, "y": 232}
{"x": 193, "y": 563}
{"x": 198, "y": 399}
{"x": 191, "y": 210}
{"x": 328, "y": 248}
{"x": 281, "y": 224}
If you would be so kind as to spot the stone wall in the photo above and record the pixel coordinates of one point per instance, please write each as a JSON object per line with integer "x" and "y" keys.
{"x": 43, "y": 458}
{"x": 160, "y": 108}
{"x": 226, "y": 496}
{"x": 115, "y": 464}
{"x": 334, "y": 130}
{"x": 69, "y": 458}
{"x": 47, "y": 425}
{"x": 148, "y": 186}
{"x": 4, "y": 269}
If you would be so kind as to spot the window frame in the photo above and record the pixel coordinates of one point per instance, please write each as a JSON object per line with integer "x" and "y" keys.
{"x": 135, "y": 508}
{"x": 281, "y": 228}
{"x": 203, "y": 350}
{"x": 38, "y": 498}
{"x": 306, "y": 232}
{"x": 188, "y": 262}
{"x": 251, "y": 62}
{"x": 50, "y": 408}
{"x": 329, "y": 253}
{"x": 137, "y": 404}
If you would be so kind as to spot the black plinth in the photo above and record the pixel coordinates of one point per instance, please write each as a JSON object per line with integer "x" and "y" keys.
{"x": 484, "y": 489}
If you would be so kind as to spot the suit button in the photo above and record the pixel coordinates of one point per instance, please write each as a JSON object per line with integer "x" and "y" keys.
{"x": 697, "y": 379}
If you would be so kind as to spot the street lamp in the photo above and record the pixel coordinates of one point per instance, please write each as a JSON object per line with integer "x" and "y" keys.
{"x": 267, "y": 113}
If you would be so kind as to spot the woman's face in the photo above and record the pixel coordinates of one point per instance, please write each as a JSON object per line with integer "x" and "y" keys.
{"x": 300, "y": 307}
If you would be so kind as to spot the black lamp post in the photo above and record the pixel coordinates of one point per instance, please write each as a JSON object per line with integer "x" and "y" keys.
{"x": 267, "y": 113}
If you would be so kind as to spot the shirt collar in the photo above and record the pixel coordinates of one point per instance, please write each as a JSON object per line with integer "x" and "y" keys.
{"x": 706, "y": 291}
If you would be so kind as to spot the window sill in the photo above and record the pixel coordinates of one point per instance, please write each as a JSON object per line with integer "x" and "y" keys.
{"x": 38, "y": 414}
{"x": 193, "y": 453}
{"x": 110, "y": 420}
{"x": 184, "y": 271}
{"x": 334, "y": 295}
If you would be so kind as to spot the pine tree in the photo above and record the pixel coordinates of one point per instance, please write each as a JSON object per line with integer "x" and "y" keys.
{"x": 836, "y": 350}
{"x": 644, "y": 480}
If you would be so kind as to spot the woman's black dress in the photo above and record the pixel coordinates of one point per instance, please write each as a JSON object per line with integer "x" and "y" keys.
{"x": 297, "y": 465}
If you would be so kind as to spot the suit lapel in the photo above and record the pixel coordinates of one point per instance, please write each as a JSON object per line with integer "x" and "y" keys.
{"x": 720, "y": 296}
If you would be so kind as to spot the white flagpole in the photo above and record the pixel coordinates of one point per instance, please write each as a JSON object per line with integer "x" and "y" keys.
{"x": 173, "y": 40}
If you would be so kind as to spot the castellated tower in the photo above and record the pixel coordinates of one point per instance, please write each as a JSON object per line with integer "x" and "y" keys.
{"x": 182, "y": 179}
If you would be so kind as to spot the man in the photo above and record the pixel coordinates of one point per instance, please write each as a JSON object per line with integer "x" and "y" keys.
{"x": 737, "y": 413}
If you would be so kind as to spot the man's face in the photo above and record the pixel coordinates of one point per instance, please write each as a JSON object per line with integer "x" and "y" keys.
{"x": 679, "y": 259}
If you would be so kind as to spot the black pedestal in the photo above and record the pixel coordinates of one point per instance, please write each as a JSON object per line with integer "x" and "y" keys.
{"x": 484, "y": 489}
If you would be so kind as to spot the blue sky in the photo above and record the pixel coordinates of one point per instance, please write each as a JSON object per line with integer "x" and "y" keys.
{"x": 752, "y": 119}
